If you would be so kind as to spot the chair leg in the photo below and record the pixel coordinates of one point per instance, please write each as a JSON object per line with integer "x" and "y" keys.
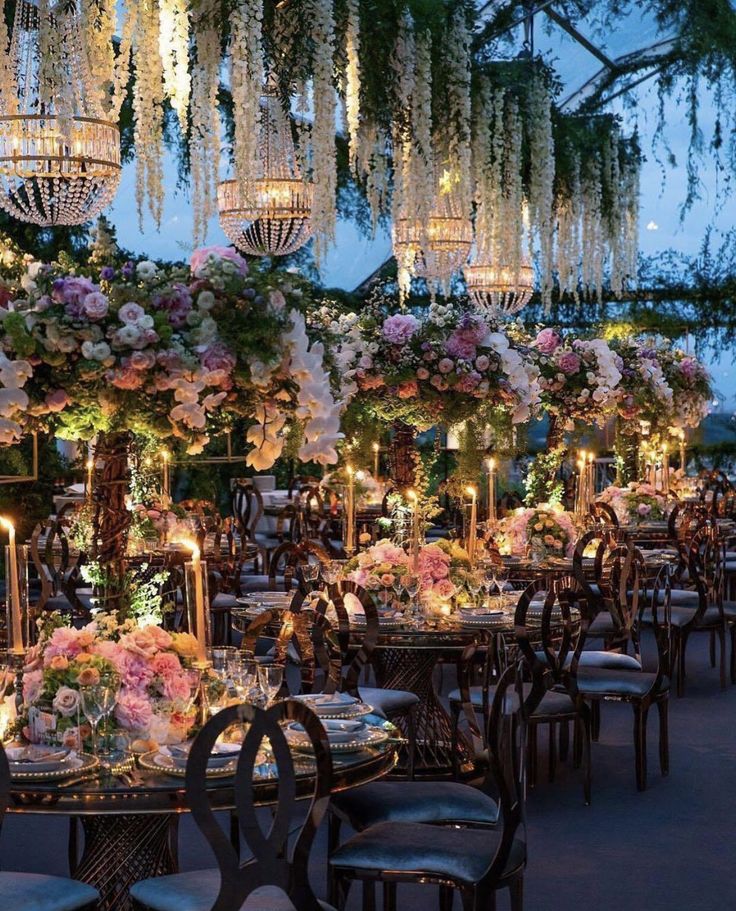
{"x": 664, "y": 736}
{"x": 595, "y": 720}
{"x": 552, "y": 755}
{"x": 446, "y": 896}
{"x": 733, "y": 653}
{"x": 369, "y": 895}
{"x": 577, "y": 743}
{"x": 333, "y": 841}
{"x": 412, "y": 746}
{"x": 712, "y": 648}
{"x": 342, "y": 889}
{"x": 516, "y": 893}
{"x": 564, "y": 741}
{"x": 640, "y": 744}
{"x": 681, "y": 647}
{"x": 532, "y": 747}
{"x": 722, "y": 643}
{"x": 389, "y": 897}
{"x": 584, "y": 722}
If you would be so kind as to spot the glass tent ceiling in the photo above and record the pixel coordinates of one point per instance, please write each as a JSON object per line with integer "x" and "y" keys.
{"x": 594, "y": 63}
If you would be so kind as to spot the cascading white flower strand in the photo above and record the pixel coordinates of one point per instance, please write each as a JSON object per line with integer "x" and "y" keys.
{"x": 592, "y": 240}
{"x": 204, "y": 140}
{"x": 352, "y": 81}
{"x": 324, "y": 155}
{"x": 246, "y": 84}
{"x": 541, "y": 180}
{"x": 173, "y": 40}
{"x": 404, "y": 52}
{"x": 569, "y": 215}
{"x": 630, "y": 203}
{"x": 457, "y": 128}
{"x": 148, "y": 102}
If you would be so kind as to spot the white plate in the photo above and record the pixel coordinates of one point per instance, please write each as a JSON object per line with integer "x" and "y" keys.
{"x": 323, "y": 707}
{"x": 370, "y": 738}
{"x": 161, "y": 762}
{"x": 75, "y": 763}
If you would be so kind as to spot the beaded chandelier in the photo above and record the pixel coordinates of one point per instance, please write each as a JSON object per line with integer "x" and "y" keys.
{"x": 499, "y": 290}
{"x": 270, "y": 214}
{"x": 59, "y": 151}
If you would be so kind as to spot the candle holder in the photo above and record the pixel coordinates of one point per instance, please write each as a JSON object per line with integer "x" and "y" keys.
{"x": 198, "y": 619}
{"x": 18, "y": 623}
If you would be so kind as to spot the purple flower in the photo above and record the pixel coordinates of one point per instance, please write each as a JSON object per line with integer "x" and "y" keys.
{"x": 130, "y": 313}
{"x": 128, "y": 270}
{"x": 461, "y": 344}
{"x": 177, "y": 303}
{"x": 217, "y": 357}
{"x": 689, "y": 367}
{"x": 71, "y": 292}
{"x": 399, "y": 328}
{"x": 107, "y": 273}
{"x": 202, "y": 254}
{"x": 95, "y": 306}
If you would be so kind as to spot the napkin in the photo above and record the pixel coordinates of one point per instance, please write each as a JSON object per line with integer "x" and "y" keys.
{"x": 327, "y": 700}
{"x": 36, "y": 753}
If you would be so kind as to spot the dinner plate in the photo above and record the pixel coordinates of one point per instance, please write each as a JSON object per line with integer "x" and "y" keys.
{"x": 345, "y": 710}
{"x": 155, "y": 761}
{"x": 74, "y": 764}
{"x": 370, "y": 738}
{"x": 222, "y": 755}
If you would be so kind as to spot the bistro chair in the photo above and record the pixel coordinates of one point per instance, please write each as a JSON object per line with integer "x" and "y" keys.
{"x": 275, "y": 876}
{"x": 477, "y": 862}
{"x": 36, "y": 891}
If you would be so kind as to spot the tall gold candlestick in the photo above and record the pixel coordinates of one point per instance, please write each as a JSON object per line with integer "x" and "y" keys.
{"x": 165, "y": 479}
{"x": 16, "y": 646}
{"x": 473, "y": 531}
{"x": 492, "y": 490}
{"x": 376, "y": 454}
{"x": 199, "y": 605}
{"x": 591, "y": 482}
{"x": 665, "y": 469}
{"x": 683, "y": 460}
{"x": 350, "y": 511}
{"x": 90, "y": 475}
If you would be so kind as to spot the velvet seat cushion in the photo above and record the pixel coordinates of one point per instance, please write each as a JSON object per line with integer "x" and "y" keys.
{"x": 602, "y": 626}
{"x": 462, "y": 855}
{"x": 683, "y": 616}
{"x": 415, "y": 801}
{"x": 261, "y": 584}
{"x": 729, "y": 609}
{"x": 388, "y": 702}
{"x": 553, "y": 703}
{"x": 36, "y": 892}
{"x": 592, "y": 658}
{"x": 598, "y": 681}
{"x": 197, "y": 891}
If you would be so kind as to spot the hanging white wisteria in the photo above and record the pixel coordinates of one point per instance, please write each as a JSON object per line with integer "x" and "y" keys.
{"x": 246, "y": 86}
{"x": 541, "y": 180}
{"x": 59, "y": 140}
{"x": 352, "y": 81}
{"x": 174, "y": 49}
{"x": 204, "y": 139}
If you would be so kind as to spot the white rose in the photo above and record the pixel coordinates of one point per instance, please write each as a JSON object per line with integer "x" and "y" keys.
{"x": 146, "y": 270}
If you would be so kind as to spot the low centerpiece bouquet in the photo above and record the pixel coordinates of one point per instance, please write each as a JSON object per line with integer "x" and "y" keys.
{"x": 379, "y": 569}
{"x": 542, "y": 531}
{"x": 157, "y": 686}
{"x": 445, "y": 570}
{"x": 636, "y": 503}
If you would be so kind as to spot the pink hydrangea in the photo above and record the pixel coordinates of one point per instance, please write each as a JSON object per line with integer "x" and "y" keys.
{"x": 218, "y": 357}
{"x": 547, "y": 341}
{"x": 63, "y": 641}
{"x": 202, "y": 254}
{"x": 399, "y": 328}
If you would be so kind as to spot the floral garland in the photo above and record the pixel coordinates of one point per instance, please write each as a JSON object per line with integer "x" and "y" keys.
{"x": 635, "y": 503}
{"x": 578, "y": 378}
{"x": 436, "y": 367}
{"x": 168, "y": 352}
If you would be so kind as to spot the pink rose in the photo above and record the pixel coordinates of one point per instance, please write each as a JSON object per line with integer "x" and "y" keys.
{"x": 445, "y": 365}
{"x": 444, "y": 588}
{"x": 32, "y": 686}
{"x": 547, "y": 341}
{"x": 142, "y": 360}
{"x": 140, "y": 642}
{"x": 200, "y": 256}
{"x": 399, "y": 328}
{"x": 569, "y": 363}
{"x": 133, "y": 711}
{"x": 482, "y": 363}
{"x": 160, "y": 637}
{"x": 422, "y": 373}
{"x": 439, "y": 382}
{"x": 95, "y": 305}
{"x": 57, "y": 400}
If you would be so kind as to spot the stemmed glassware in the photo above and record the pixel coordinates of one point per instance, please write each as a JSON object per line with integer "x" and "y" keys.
{"x": 97, "y": 702}
{"x": 270, "y": 679}
{"x": 412, "y": 584}
{"x": 243, "y": 674}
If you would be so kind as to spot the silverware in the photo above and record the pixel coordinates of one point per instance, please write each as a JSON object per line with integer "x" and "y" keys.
{"x": 78, "y": 779}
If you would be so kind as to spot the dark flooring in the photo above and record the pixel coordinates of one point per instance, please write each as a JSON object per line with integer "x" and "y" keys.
{"x": 671, "y": 848}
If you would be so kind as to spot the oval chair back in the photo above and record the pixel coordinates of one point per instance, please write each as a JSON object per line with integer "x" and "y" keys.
{"x": 247, "y": 507}
{"x": 288, "y": 629}
{"x": 604, "y": 515}
{"x": 271, "y": 862}
{"x": 49, "y": 552}
{"x": 706, "y": 567}
{"x": 624, "y": 594}
{"x": 601, "y": 541}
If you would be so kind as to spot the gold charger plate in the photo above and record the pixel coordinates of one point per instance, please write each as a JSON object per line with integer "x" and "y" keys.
{"x": 82, "y": 764}
{"x": 161, "y": 763}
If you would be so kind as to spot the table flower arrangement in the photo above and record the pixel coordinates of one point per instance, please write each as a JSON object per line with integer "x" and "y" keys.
{"x": 433, "y": 366}
{"x": 578, "y": 378}
{"x": 692, "y": 388}
{"x": 543, "y": 531}
{"x": 444, "y": 567}
{"x": 156, "y": 687}
{"x": 636, "y": 503}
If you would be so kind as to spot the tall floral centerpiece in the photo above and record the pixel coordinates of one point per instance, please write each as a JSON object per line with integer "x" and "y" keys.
{"x": 176, "y": 352}
{"x": 578, "y": 381}
{"x": 417, "y": 368}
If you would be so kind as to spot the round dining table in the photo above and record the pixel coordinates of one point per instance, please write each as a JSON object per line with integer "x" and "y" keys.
{"x": 130, "y": 820}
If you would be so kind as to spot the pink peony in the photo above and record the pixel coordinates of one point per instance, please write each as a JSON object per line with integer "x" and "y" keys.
{"x": 422, "y": 373}
{"x": 32, "y": 686}
{"x": 63, "y": 641}
{"x": 439, "y": 382}
{"x": 133, "y": 711}
{"x": 399, "y": 328}
{"x": 57, "y": 400}
{"x": 444, "y": 588}
{"x": 547, "y": 341}
{"x": 95, "y": 306}
{"x": 160, "y": 637}
{"x": 200, "y": 256}
{"x": 218, "y": 357}
{"x": 446, "y": 365}
{"x": 468, "y": 382}
{"x": 482, "y": 363}
{"x": 569, "y": 363}
{"x": 140, "y": 641}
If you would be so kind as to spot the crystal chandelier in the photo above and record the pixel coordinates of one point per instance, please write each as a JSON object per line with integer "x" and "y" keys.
{"x": 59, "y": 154}
{"x": 268, "y": 215}
{"x": 436, "y": 249}
{"x": 499, "y": 290}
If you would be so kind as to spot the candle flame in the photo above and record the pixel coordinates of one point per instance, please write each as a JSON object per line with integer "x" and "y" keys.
{"x": 376, "y": 447}
{"x": 471, "y": 491}
{"x": 411, "y": 496}
{"x": 90, "y": 464}
{"x": 187, "y": 542}
{"x": 6, "y": 524}
{"x": 491, "y": 464}
{"x": 349, "y": 469}
{"x": 165, "y": 455}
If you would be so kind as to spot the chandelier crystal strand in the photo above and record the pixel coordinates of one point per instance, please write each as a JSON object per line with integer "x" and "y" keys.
{"x": 324, "y": 156}
{"x": 59, "y": 149}
{"x": 275, "y": 217}
{"x": 148, "y": 111}
{"x": 246, "y": 83}
{"x": 204, "y": 141}
{"x": 173, "y": 42}
{"x": 459, "y": 110}
{"x": 541, "y": 180}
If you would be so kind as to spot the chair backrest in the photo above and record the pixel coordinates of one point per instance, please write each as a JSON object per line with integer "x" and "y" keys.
{"x": 289, "y": 556}
{"x": 604, "y": 514}
{"x": 599, "y": 540}
{"x": 247, "y": 507}
{"x": 706, "y": 565}
{"x": 50, "y": 557}
{"x": 270, "y": 862}
{"x": 506, "y": 738}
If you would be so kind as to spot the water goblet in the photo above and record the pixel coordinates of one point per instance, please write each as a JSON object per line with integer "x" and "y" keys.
{"x": 412, "y": 585}
{"x": 244, "y": 675}
{"x": 270, "y": 679}
{"x": 95, "y": 703}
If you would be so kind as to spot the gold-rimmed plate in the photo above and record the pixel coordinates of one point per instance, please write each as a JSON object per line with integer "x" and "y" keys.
{"x": 370, "y": 738}
{"x": 78, "y": 764}
{"x": 164, "y": 764}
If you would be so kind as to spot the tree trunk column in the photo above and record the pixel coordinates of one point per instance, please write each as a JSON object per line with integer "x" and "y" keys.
{"x": 403, "y": 455}
{"x": 111, "y": 516}
{"x": 627, "y": 451}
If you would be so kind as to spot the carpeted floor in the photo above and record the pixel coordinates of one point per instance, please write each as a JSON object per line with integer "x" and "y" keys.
{"x": 668, "y": 849}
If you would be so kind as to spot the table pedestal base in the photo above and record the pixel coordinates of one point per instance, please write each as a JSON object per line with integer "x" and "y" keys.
{"x": 412, "y": 669}
{"x": 121, "y": 850}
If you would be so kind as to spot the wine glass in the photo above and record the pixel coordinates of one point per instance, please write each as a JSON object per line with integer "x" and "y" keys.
{"x": 270, "y": 679}
{"x": 97, "y": 702}
{"x": 412, "y": 585}
{"x": 500, "y": 578}
{"x": 243, "y": 672}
